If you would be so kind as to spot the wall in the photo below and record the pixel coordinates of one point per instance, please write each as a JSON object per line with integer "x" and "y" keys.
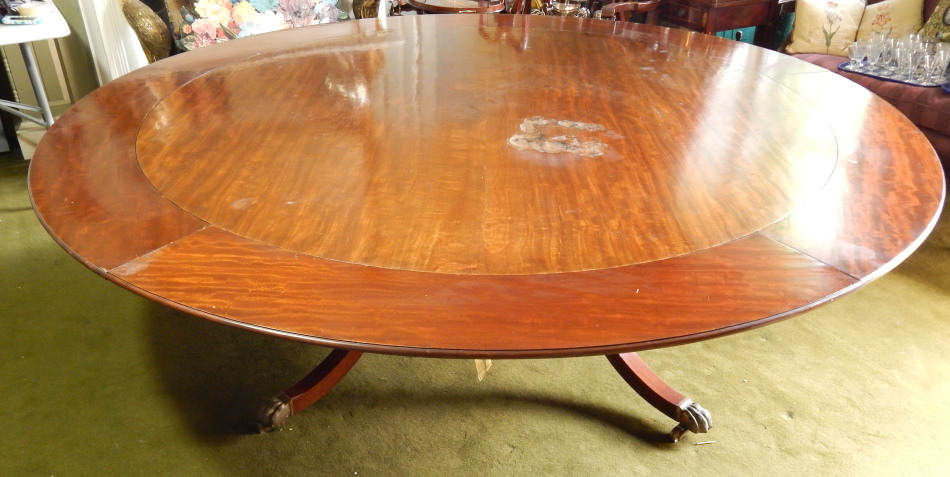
{"x": 115, "y": 49}
{"x": 75, "y": 53}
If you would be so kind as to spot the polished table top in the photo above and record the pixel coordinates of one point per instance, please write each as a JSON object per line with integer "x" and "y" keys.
{"x": 487, "y": 185}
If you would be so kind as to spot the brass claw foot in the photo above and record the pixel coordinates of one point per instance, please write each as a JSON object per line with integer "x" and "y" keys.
{"x": 692, "y": 418}
{"x": 307, "y": 391}
{"x": 274, "y": 414}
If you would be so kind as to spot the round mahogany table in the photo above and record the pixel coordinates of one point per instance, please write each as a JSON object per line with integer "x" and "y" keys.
{"x": 487, "y": 186}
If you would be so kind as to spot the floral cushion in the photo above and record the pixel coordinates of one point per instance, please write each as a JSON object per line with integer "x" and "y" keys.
{"x": 939, "y": 23}
{"x": 212, "y": 21}
{"x": 825, "y": 26}
{"x": 896, "y": 18}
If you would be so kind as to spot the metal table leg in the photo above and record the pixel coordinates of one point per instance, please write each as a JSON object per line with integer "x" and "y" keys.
{"x": 17, "y": 108}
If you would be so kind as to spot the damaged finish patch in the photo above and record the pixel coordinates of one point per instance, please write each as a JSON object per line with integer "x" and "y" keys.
{"x": 549, "y": 135}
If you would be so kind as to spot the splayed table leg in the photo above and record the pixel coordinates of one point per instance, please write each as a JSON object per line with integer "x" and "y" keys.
{"x": 691, "y": 416}
{"x": 308, "y": 390}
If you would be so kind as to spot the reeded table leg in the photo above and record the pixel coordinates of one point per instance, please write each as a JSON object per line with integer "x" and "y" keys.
{"x": 691, "y": 416}
{"x": 308, "y": 390}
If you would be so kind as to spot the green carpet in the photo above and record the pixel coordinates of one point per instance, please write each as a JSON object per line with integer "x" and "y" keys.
{"x": 97, "y": 381}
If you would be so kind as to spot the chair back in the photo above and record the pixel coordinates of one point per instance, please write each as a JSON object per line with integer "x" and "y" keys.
{"x": 621, "y": 11}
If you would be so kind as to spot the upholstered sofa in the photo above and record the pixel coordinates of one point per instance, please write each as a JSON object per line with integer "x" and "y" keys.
{"x": 928, "y": 108}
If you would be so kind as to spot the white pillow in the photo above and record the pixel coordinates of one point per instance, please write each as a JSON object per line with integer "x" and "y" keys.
{"x": 897, "y": 18}
{"x": 825, "y": 26}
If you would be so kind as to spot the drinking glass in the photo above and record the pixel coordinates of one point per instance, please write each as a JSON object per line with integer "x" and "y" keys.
{"x": 875, "y": 48}
{"x": 910, "y": 42}
{"x": 940, "y": 64}
{"x": 924, "y": 66}
{"x": 903, "y": 59}
{"x": 856, "y": 53}
{"x": 887, "y": 56}
{"x": 929, "y": 45}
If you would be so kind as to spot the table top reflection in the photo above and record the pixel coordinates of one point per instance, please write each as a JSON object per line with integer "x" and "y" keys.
{"x": 487, "y": 185}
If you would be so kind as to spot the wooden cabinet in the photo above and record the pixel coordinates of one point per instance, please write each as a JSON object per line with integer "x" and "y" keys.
{"x": 710, "y": 16}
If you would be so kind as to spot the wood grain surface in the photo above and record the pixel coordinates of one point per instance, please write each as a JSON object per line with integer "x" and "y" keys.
{"x": 414, "y": 168}
{"x": 487, "y": 185}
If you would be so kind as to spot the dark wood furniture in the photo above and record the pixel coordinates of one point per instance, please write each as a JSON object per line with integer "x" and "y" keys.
{"x": 621, "y": 11}
{"x": 458, "y": 6}
{"x": 710, "y": 16}
{"x": 532, "y": 197}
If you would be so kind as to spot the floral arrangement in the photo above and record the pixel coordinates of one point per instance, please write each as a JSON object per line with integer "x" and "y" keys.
{"x": 213, "y": 21}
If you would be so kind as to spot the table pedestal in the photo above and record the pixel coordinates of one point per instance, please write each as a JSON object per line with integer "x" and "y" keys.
{"x": 691, "y": 416}
{"x": 308, "y": 390}
{"x": 293, "y": 400}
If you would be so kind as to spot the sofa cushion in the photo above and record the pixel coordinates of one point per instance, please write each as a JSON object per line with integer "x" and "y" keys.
{"x": 896, "y": 18}
{"x": 938, "y": 24}
{"x": 825, "y": 26}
